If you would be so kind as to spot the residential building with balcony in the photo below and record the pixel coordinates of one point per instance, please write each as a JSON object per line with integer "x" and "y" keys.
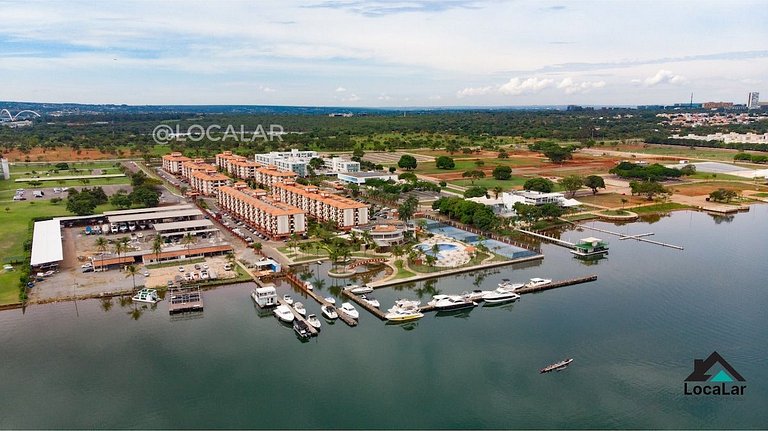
{"x": 272, "y": 218}
{"x": 268, "y": 176}
{"x": 172, "y": 163}
{"x": 207, "y": 183}
{"x": 324, "y": 206}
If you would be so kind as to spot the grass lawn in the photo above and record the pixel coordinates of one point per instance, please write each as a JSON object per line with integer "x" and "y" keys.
{"x": 725, "y": 155}
{"x": 14, "y": 225}
{"x": 712, "y": 176}
{"x": 704, "y": 188}
{"x": 468, "y": 164}
{"x": 659, "y": 208}
{"x": 490, "y": 183}
{"x": 615, "y": 212}
{"x": 611, "y": 200}
{"x": 761, "y": 195}
{"x": 579, "y": 217}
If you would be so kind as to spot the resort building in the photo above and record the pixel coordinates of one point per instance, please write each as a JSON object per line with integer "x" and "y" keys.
{"x": 345, "y": 213}
{"x": 207, "y": 182}
{"x": 188, "y": 167}
{"x": 244, "y": 169}
{"x": 274, "y": 156}
{"x": 224, "y": 159}
{"x": 268, "y": 176}
{"x": 384, "y": 235}
{"x": 275, "y": 219}
{"x": 504, "y": 205}
{"x": 337, "y": 164}
{"x": 172, "y": 163}
{"x": 362, "y": 177}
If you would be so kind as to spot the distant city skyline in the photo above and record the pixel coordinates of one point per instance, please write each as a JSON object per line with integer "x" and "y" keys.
{"x": 380, "y": 53}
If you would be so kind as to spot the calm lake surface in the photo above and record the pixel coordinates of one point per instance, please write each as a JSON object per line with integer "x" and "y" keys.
{"x": 634, "y": 334}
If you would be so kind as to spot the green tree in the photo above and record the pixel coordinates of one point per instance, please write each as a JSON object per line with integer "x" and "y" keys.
{"x": 407, "y": 162}
{"x": 572, "y": 183}
{"x": 120, "y": 200}
{"x": 475, "y": 192}
{"x": 157, "y": 247}
{"x": 497, "y": 191}
{"x": 502, "y": 172}
{"x": 408, "y": 208}
{"x": 131, "y": 271}
{"x": 188, "y": 240}
{"x": 445, "y": 162}
{"x": 145, "y": 196}
{"x": 101, "y": 245}
{"x": 473, "y": 175}
{"x": 648, "y": 188}
{"x": 539, "y": 185}
{"x": 357, "y": 154}
{"x": 594, "y": 182}
{"x": 503, "y": 154}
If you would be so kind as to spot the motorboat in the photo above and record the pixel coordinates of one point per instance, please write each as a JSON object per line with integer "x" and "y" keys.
{"x": 407, "y": 304}
{"x": 475, "y": 295}
{"x": 359, "y": 290}
{"x": 308, "y": 286}
{"x": 557, "y": 366}
{"x": 538, "y": 282}
{"x": 451, "y": 302}
{"x": 349, "y": 310}
{"x": 329, "y": 312}
{"x": 314, "y": 321}
{"x": 500, "y": 296}
{"x": 299, "y": 307}
{"x": 509, "y": 286}
{"x": 373, "y": 302}
{"x": 301, "y": 328}
{"x": 146, "y": 295}
{"x": 330, "y": 299}
{"x": 284, "y": 313}
{"x": 396, "y": 314}
{"x": 288, "y": 300}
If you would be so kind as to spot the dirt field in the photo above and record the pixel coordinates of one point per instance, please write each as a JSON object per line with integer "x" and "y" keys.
{"x": 705, "y": 188}
{"x": 158, "y": 277}
{"x": 612, "y": 200}
{"x": 57, "y": 154}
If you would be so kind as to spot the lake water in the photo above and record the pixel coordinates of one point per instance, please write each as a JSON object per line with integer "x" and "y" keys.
{"x": 634, "y": 334}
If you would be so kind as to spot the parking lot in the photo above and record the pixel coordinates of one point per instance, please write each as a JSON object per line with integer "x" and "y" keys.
{"x": 191, "y": 273}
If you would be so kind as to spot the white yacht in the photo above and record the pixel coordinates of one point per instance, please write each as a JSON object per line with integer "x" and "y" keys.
{"x": 330, "y": 299}
{"x": 500, "y": 296}
{"x": 314, "y": 321}
{"x": 359, "y": 290}
{"x": 397, "y": 314}
{"x": 146, "y": 295}
{"x": 509, "y": 286}
{"x": 373, "y": 302}
{"x": 349, "y": 310}
{"x": 284, "y": 313}
{"x": 450, "y": 302}
{"x": 308, "y": 286}
{"x": 288, "y": 300}
{"x": 538, "y": 282}
{"x": 299, "y": 307}
{"x": 329, "y": 312}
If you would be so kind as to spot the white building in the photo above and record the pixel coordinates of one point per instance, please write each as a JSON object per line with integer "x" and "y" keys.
{"x": 337, "y": 164}
{"x": 362, "y": 177}
{"x": 753, "y": 101}
{"x": 287, "y": 161}
{"x": 5, "y": 170}
{"x": 504, "y": 205}
{"x": 345, "y": 213}
{"x": 273, "y": 218}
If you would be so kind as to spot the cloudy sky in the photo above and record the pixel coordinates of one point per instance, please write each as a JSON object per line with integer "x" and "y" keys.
{"x": 383, "y": 53}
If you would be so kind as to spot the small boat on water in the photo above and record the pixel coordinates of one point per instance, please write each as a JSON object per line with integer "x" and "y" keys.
{"x": 557, "y": 366}
{"x": 500, "y": 296}
{"x": 450, "y": 302}
{"x": 329, "y": 312}
{"x": 284, "y": 313}
{"x": 349, "y": 310}
{"x": 146, "y": 295}
{"x": 314, "y": 321}
{"x": 373, "y": 302}
{"x": 330, "y": 299}
{"x": 308, "y": 285}
{"x": 396, "y": 314}
{"x": 538, "y": 282}
{"x": 301, "y": 329}
{"x": 475, "y": 295}
{"x": 288, "y": 300}
{"x": 359, "y": 290}
{"x": 406, "y": 304}
{"x": 299, "y": 307}
{"x": 509, "y": 286}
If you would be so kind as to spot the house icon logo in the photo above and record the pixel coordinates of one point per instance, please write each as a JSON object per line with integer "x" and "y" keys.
{"x": 714, "y": 376}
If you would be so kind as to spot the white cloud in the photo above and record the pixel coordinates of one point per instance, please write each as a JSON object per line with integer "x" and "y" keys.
{"x": 473, "y": 91}
{"x": 341, "y": 89}
{"x": 517, "y": 86}
{"x": 664, "y": 77}
{"x": 267, "y": 89}
{"x": 351, "y": 98}
{"x": 572, "y": 87}
{"x": 384, "y": 97}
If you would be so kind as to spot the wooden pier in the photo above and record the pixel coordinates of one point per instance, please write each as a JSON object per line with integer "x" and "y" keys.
{"x": 320, "y": 300}
{"x": 312, "y": 330}
{"x": 638, "y": 237}
{"x": 557, "y": 241}
{"x": 556, "y": 284}
{"x": 359, "y": 301}
{"x": 182, "y": 300}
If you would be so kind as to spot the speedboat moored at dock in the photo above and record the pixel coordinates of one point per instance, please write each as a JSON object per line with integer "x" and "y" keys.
{"x": 349, "y": 310}
{"x": 284, "y": 313}
{"x": 500, "y": 296}
{"x": 538, "y": 282}
{"x": 329, "y": 312}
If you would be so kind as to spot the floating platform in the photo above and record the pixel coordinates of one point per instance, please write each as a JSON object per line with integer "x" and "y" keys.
{"x": 185, "y": 300}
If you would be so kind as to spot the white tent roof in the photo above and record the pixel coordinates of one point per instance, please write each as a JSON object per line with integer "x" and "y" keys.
{"x": 46, "y": 243}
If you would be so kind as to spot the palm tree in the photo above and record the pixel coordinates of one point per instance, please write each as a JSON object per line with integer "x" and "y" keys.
{"x": 157, "y": 247}
{"x": 188, "y": 240}
{"x": 102, "y": 244}
{"x": 131, "y": 271}
{"x": 119, "y": 248}
{"x": 257, "y": 246}
{"x": 497, "y": 191}
{"x": 367, "y": 240}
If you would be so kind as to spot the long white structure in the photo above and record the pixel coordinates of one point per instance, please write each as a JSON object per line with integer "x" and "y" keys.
{"x": 46, "y": 243}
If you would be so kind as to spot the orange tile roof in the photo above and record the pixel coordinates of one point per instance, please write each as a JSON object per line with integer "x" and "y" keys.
{"x": 193, "y": 251}
{"x": 267, "y": 205}
{"x": 210, "y": 176}
{"x": 313, "y": 193}
{"x": 176, "y": 157}
{"x": 270, "y": 170}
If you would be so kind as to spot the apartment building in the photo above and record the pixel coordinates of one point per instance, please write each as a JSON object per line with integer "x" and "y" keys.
{"x": 273, "y": 218}
{"x": 172, "y": 163}
{"x": 207, "y": 182}
{"x": 224, "y": 159}
{"x": 345, "y": 213}
{"x": 268, "y": 176}
{"x": 188, "y": 167}
{"x": 337, "y": 164}
{"x": 244, "y": 169}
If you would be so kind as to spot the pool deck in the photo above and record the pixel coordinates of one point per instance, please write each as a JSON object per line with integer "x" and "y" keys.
{"x": 392, "y": 282}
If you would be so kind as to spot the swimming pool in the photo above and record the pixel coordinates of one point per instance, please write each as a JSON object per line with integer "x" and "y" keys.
{"x": 441, "y": 247}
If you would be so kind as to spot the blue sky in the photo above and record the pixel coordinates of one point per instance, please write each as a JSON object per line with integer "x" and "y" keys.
{"x": 383, "y": 53}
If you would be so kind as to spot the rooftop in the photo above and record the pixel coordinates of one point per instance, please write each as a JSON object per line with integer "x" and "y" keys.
{"x": 314, "y": 193}
{"x": 157, "y": 215}
{"x": 177, "y": 225}
{"x": 264, "y": 204}
{"x": 46, "y": 243}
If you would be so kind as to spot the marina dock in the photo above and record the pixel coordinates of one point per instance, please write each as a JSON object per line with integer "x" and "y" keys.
{"x": 185, "y": 300}
{"x": 557, "y": 241}
{"x": 320, "y": 300}
{"x": 359, "y": 301}
{"x": 299, "y": 317}
{"x": 638, "y": 237}
{"x": 556, "y": 284}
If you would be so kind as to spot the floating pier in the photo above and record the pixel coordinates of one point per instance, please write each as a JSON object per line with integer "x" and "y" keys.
{"x": 359, "y": 301}
{"x": 556, "y": 284}
{"x": 320, "y": 300}
{"x": 312, "y": 330}
{"x": 181, "y": 301}
{"x": 638, "y": 237}
{"x": 557, "y": 241}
